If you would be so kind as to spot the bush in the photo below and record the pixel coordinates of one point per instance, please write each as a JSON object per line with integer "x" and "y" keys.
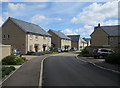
{"x": 47, "y": 52}
{"x": 12, "y": 60}
{"x": 7, "y": 70}
{"x": 113, "y": 58}
{"x": 84, "y": 52}
{"x": 30, "y": 52}
{"x": 65, "y": 50}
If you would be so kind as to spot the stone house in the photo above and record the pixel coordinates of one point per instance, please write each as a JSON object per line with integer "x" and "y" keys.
{"x": 25, "y": 36}
{"x": 106, "y": 36}
{"x": 77, "y": 42}
{"x": 60, "y": 40}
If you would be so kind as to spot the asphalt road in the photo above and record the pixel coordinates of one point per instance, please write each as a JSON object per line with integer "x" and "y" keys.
{"x": 69, "y": 71}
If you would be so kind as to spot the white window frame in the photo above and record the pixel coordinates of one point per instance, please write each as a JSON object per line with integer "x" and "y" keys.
{"x": 31, "y": 36}
{"x": 31, "y": 48}
{"x": 4, "y": 36}
{"x": 44, "y": 37}
{"x": 8, "y": 35}
{"x": 36, "y": 37}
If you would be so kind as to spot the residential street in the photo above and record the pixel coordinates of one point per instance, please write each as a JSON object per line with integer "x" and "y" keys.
{"x": 61, "y": 70}
{"x": 69, "y": 71}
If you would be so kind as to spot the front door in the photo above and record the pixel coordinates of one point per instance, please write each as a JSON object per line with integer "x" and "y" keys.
{"x": 44, "y": 48}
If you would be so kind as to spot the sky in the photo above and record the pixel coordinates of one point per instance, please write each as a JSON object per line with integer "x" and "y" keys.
{"x": 71, "y": 18}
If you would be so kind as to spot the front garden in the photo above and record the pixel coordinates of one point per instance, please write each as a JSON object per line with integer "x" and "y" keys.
{"x": 8, "y": 64}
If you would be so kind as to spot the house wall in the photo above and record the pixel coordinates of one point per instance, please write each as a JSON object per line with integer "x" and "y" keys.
{"x": 5, "y": 50}
{"x": 17, "y": 36}
{"x": 99, "y": 38}
{"x": 74, "y": 44}
{"x": 55, "y": 40}
{"x": 65, "y": 42}
{"x": 40, "y": 41}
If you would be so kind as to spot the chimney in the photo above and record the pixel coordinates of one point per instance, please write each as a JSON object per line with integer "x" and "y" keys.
{"x": 99, "y": 25}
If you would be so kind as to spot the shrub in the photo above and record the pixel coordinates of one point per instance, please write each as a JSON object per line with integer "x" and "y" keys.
{"x": 84, "y": 52}
{"x": 7, "y": 70}
{"x": 30, "y": 53}
{"x": 113, "y": 58}
{"x": 12, "y": 60}
{"x": 47, "y": 52}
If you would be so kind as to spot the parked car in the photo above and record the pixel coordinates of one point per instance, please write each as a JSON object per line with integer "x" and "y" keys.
{"x": 101, "y": 52}
{"x": 17, "y": 52}
{"x": 58, "y": 50}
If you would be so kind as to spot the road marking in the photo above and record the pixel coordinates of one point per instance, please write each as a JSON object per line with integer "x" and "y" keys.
{"x": 80, "y": 59}
{"x": 100, "y": 66}
{"x": 41, "y": 73}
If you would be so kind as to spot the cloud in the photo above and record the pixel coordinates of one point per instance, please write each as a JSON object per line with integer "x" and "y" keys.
{"x": 96, "y": 13}
{"x": 110, "y": 22}
{"x": 37, "y": 18}
{"x": 69, "y": 32}
{"x": 16, "y": 7}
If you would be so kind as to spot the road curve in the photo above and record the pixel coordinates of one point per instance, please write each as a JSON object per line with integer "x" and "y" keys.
{"x": 69, "y": 71}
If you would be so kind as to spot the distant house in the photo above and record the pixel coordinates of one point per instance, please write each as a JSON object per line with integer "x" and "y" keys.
{"x": 77, "y": 42}
{"x": 88, "y": 40}
{"x": 25, "y": 36}
{"x": 106, "y": 36}
{"x": 60, "y": 40}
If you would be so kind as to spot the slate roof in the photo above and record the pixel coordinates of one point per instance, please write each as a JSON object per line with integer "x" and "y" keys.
{"x": 74, "y": 38}
{"x": 112, "y": 30}
{"x": 29, "y": 27}
{"x": 60, "y": 34}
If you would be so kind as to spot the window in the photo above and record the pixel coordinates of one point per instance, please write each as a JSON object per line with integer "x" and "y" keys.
{"x": 111, "y": 38}
{"x": 8, "y": 36}
{"x": 48, "y": 38}
{"x": 36, "y": 37}
{"x": 44, "y": 37}
{"x": 31, "y": 36}
{"x": 31, "y": 48}
{"x": 3, "y": 36}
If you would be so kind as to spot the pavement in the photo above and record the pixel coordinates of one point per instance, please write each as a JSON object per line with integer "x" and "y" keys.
{"x": 68, "y": 71}
{"x": 27, "y": 74}
{"x": 101, "y": 63}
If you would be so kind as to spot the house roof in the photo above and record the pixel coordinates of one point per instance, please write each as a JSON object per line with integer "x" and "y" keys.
{"x": 60, "y": 34}
{"x": 83, "y": 40}
{"x": 29, "y": 27}
{"x": 112, "y": 30}
{"x": 74, "y": 38}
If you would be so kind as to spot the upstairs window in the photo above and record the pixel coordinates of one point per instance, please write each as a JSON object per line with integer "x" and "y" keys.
{"x": 3, "y": 36}
{"x": 8, "y": 36}
{"x": 44, "y": 37}
{"x": 31, "y": 36}
{"x": 36, "y": 37}
{"x": 48, "y": 38}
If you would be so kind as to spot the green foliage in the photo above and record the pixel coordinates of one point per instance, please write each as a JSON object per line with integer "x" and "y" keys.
{"x": 84, "y": 52}
{"x": 47, "y": 52}
{"x": 12, "y": 60}
{"x": 30, "y": 53}
{"x": 7, "y": 70}
{"x": 113, "y": 58}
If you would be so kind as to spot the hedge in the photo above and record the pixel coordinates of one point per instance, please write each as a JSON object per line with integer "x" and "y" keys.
{"x": 113, "y": 58}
